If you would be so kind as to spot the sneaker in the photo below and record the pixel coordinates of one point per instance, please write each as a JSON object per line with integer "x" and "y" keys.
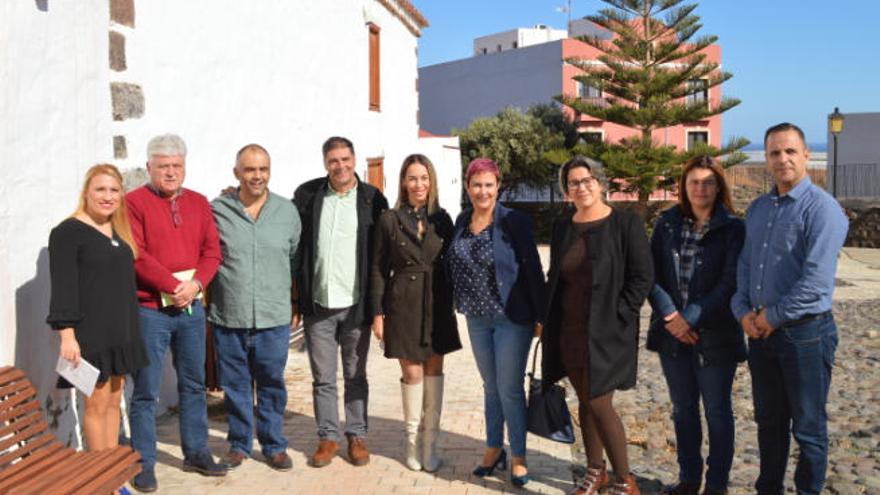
{"x": 145, "y": 481}
{"x": 280, "y": 461}
{"x": 203, "y": 463}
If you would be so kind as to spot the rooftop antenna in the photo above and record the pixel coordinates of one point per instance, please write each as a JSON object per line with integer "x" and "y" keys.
{"x": 565, "y": 9}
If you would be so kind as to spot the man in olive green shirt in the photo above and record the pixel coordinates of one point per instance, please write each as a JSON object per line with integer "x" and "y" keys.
{"x": 251, "y": 307}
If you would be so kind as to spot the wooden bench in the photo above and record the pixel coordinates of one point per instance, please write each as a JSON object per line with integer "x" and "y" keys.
{"x": 33, "y": 461}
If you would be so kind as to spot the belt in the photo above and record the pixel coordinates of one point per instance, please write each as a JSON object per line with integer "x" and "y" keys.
{"x": 807, "y": 319}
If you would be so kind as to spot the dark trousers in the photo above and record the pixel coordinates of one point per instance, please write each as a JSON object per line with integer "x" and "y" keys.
{"x": 688, "y": 382}
{"x": 791, "y": 375}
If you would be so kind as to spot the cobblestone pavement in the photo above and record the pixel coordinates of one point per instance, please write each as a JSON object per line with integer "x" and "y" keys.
{"x": 461, "y": 444}
{"x": 853, "y": 411}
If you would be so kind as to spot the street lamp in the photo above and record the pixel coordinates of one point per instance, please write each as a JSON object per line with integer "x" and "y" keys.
{"x": 835, "y": 123}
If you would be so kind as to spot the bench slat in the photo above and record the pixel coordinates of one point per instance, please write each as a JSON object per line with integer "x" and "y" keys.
{"x": 21, "y": 422}
{"x": 33, "y": 461}
{"x": 115, "y": 476}
{"x": 23, "y": 435}
{"x": 33, "y": 445}
{"x": 34, "y": 465}
{"x": 9, "y": 374}
{"x": 8, "y": 403}
{"x": 55, "y": 474}
{"x": 13, "y": 387}
{"x": 20, "y": 410}
{"x": 99, "y": 468}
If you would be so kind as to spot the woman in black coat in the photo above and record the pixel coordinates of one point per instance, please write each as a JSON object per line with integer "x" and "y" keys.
{"x": 695, "y": 247}
{"x": 412, "y": 303}
{"x": 600, "y": 274}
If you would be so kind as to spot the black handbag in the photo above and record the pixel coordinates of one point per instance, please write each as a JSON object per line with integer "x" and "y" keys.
{"x": 548, "y": 414}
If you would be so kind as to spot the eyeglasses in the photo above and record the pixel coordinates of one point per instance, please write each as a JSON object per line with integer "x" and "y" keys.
{"x": 175, "y": 214}
{"x": 587, "y": 182}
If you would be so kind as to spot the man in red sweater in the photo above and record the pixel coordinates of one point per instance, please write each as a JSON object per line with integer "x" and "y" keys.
{"x": 178, "y": 254}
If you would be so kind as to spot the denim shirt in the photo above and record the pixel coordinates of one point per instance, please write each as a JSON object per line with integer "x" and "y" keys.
{"x": 790, "y": 256}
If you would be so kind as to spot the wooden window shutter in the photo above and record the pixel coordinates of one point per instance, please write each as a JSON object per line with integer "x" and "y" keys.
{"x": 375, "y": 93}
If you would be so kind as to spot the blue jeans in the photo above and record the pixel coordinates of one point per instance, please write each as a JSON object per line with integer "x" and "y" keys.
{"x": 791, "y": 375}
{"x": 688, "y": 382}
{"x": 185, "y": 334}
{"x": 245, "y": 358}
{"x": 501, "y": 349}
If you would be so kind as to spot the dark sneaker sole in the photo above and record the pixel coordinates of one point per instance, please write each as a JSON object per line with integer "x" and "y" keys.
{"x": 145, "y": 489}
{"x": 203, "y": 471}
{"x": 279, "y": 468}
{"x": 360, "y": 462}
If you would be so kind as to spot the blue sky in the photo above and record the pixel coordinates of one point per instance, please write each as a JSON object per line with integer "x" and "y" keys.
{"x": 792, "y": 60}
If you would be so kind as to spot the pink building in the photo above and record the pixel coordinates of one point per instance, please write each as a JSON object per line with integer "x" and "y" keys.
{"x": 521, "y": 68}
{"x": 680, "y": 136}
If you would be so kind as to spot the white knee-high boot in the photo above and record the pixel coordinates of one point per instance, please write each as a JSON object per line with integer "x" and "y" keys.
{"x": 412, "y": 415}
{"x": 431, "y": 408}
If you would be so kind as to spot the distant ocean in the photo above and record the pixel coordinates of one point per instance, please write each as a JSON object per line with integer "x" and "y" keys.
{"x": 759, "y": 146}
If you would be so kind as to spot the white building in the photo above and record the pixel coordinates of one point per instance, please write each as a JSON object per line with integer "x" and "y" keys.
{"x": 91, "y": 81}
{"x": 517, "y": 38}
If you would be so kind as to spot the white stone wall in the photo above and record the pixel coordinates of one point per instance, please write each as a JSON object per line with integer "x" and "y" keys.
{"x": 55, "y": 107}
{"x": 221, "y": 73}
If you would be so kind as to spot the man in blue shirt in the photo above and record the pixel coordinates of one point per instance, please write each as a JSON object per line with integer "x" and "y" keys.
{"x": 785, "y": 280}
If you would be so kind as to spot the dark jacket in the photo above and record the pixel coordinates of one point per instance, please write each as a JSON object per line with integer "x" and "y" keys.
{"x": 409, "y": 286}
{"x": 620, "y": 258}
{"x": 518, "y": 271}
{"x": 711, "y": 287}
{"x": 309, "y": 199}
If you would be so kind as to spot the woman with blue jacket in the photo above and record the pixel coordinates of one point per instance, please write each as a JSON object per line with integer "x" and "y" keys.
{"x": 695, "y": 247}
{"x": 498, "y": 284}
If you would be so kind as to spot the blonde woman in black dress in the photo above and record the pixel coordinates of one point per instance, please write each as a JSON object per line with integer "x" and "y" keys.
{"x": 93, "y": 305}
{"x": 412, "y": 303}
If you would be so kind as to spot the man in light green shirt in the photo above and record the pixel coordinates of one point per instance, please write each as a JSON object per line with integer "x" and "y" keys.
{"x": 338, "y": 214}
{"x": 336, "y": 264}
{"x": 251, "y": 307}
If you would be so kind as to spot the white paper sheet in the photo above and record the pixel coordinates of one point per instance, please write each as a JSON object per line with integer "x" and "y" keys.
{"x": 84, "y": 377}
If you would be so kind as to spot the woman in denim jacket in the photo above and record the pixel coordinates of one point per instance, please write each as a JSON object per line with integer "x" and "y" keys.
{"x": 695, "y": 247}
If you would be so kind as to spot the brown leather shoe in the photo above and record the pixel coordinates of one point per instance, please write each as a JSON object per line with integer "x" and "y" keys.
{"x": 234, "y": 458}
{"x": 280, "y": 462}
{"x": 325, "y": 453}
{"x": 357, "y": 451}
